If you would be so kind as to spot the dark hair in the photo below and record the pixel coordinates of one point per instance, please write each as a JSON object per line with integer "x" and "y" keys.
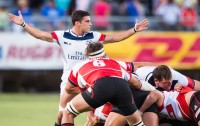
{"x": 93, "y": 47}
{"x": 78, "y": 16}
{"x": 162, "y": 72}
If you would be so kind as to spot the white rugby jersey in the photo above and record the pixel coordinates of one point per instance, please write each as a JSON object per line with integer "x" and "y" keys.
{"x": 73, "y": 46}
{"x": 174, "y": 105}
{"x": 146, "y": 73}
{"x": 85, "y": 73}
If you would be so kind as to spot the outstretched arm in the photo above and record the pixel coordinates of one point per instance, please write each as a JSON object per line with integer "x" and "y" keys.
{"x": 154, "y": 97}
{"x": 141, "y": 85}
{"x": 35, "y": 32}
{"x": 119, "y": 36}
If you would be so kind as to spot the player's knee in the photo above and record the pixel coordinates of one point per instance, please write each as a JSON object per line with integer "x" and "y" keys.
{"x": 71, "y": 109}
{"x": 61, "y": 108}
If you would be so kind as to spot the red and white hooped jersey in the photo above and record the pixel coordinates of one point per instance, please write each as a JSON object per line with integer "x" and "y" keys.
{"x": 103, "y": 111}
{"x": 175, "y": 105}
{"x": 85, "y": 73}
{"x": 73, "y": 46}
{"x": 146, "y": 73}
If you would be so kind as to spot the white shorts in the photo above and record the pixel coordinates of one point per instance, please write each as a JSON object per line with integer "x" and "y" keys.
{"x": 64, "y": 79}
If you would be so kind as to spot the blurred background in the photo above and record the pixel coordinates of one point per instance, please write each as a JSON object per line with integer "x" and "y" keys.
{"x": 31, "y": 67}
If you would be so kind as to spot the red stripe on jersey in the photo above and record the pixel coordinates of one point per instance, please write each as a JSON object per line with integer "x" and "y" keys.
{"x": 102, "y": 38}
{"x": 72, "y": 78}
{"x": 184, "y": 108}
{"x": 54, "y": 36}
{"x": 129, "y": 67}
{"x": 185, "y": 90}
{"x": 81, "y": 89}
{"x": 170, "y": 111}
{"x": 107, "y": 109}
{"x": 190, "y": 83}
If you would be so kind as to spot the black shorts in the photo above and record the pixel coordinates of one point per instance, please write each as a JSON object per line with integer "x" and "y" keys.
{"x": 139, "y": 98}
{"x": 195, "y": 106}
{"x": 113, "y": 90}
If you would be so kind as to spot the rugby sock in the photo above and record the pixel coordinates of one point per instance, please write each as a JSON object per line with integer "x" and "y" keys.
{"x": 56, "y": 124}
{"x": 67, "y": 124}
{"x": 140, "y": 123}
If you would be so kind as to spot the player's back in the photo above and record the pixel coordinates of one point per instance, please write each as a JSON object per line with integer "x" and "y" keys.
{"x": 145, "y": 73}
{"x": 99, "y": 68}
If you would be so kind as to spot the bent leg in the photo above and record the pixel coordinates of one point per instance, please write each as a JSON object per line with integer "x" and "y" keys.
{"x": 115, "y": 119}
{"x": 75, "y": 106}
{"x": 135, "y": 119}
{"x": 64, "y": 98}
{"x": 150, "y": 119}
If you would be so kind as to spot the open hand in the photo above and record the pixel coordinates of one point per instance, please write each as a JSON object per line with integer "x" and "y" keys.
{"x": 140, "y": 26}
{"x": 16, "y": 19}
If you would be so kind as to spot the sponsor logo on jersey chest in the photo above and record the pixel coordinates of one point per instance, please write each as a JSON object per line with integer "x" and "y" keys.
{"x": 67, "y": 43}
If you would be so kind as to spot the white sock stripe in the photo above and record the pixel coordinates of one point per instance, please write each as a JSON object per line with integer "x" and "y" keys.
{"x": 140, "y": 123}
{"x": 69, "y": 109}
{"x": 73, "y": 108}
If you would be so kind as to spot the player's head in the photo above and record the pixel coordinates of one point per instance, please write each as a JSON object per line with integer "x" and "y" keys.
{"x": 163, "y": 77}
{"x": 81, "y": 19}
{"x": 95, "y": 50}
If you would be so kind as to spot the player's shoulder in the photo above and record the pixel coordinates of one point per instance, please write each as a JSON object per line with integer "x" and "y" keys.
{"x": 61, "y": 32}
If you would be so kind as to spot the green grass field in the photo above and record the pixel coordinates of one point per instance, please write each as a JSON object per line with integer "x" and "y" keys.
{"x": 31, "y": 110}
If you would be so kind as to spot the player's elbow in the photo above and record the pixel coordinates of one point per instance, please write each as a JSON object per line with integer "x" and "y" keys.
{"x": 68, "y": 89}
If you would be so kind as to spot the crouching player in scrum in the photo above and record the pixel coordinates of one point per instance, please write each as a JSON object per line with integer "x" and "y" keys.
{"x": 180, "y": 104}
{"x": 163, "y": 78}
{"x": 102, "y": 80}
{"x": 109, "y": 115}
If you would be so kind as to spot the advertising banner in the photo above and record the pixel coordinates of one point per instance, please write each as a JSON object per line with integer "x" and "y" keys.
{"x": 180, "y": 50}
{"x": 22, "y": 51}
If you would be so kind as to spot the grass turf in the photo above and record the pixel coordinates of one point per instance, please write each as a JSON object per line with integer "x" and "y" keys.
{"x": 22, "y": 109}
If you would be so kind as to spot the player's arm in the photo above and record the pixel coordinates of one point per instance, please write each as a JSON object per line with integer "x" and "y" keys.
{"x": 92, "y": 120}
{"x": 186, "y": 81}
{"x": 71, "y": 89}
{"x": 153, "y": 97}
{"x": 141, "y": 85}
{"x": 197, "y": 85}
{"x": 37, "y": 33}
{"x": 121, "y": 35}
